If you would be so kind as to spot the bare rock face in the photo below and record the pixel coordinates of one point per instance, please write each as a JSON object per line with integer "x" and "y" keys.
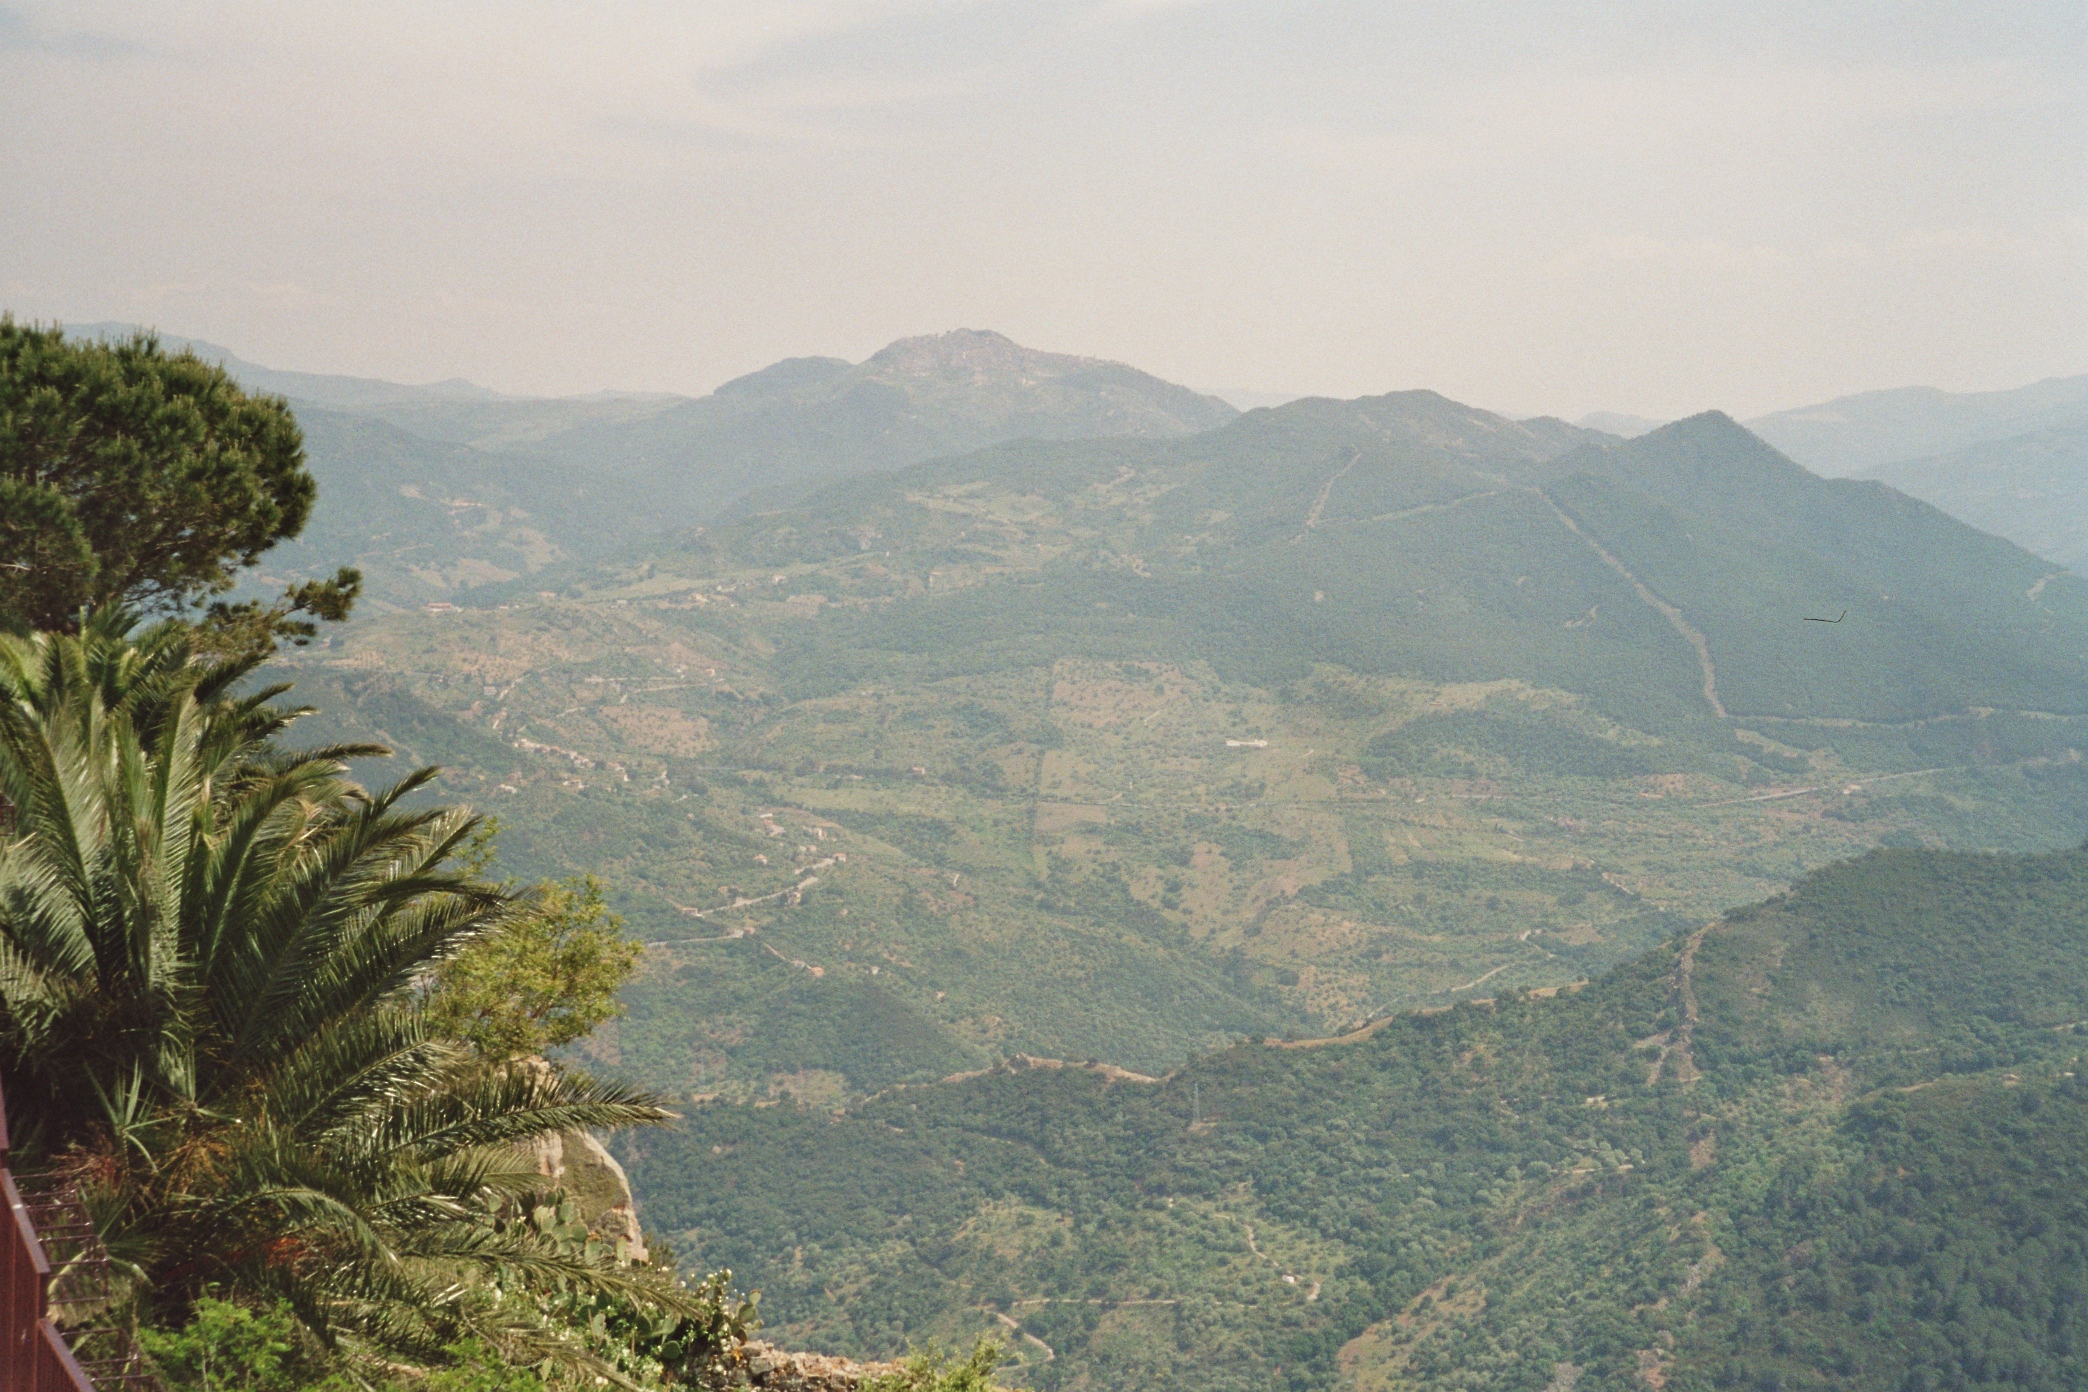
{"x": 592, "y": 1179}
{"x": 581, "y": 1165}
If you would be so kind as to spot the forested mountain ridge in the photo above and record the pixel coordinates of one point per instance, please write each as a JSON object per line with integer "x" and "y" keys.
{"x": 1750, "y": 546}
{"x": 1447, "y": 541}
{"x": 1829, "y": 1141}
{"x": 2014, "y": 463}
{"x": 809, "y": 421}
{"x": 1122, "y": 748}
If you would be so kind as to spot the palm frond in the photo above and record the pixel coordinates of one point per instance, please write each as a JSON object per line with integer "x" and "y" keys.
{"x": 211, "y": 954}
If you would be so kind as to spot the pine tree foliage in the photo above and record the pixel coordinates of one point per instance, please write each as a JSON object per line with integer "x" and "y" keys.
{"x": 131, "y": 474}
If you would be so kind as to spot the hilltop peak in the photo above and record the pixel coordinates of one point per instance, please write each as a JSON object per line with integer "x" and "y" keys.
{"x": 1701, "y": 424}
{"x": 1709, "y": 449}
{"x": 1706, "y": 435}
{"x": 782, "y": 378}
{"x": 982, "y": 353}
{"x": 979, "y": 375}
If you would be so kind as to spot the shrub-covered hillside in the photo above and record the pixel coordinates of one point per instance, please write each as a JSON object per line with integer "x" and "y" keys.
{"x": 1831, "y": 1141}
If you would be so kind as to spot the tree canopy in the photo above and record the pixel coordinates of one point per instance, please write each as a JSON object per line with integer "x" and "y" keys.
{"x": 547, "y": 978}
{"x": 129, "y": 474}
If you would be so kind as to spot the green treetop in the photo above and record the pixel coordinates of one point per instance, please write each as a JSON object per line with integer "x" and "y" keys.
{"x": 549, "y": 976}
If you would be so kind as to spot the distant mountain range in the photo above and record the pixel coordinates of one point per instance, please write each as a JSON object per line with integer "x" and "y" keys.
{"x": 2032, "y": 489}
{"x": 1411, "y": 533}
{"x": 435, "y": 488}
{"x": 1857, "y": 435}
{"x": 1134, "y": 743}
{"x": 317, "y": 388}
{"x": 1619, "y": 423}
{"x": 2011, "y": 462}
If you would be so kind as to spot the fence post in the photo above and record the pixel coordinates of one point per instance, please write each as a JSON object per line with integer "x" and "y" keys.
{"x": 27, "y": 1274}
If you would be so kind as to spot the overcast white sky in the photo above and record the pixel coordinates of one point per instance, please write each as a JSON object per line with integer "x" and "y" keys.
{"x": 1649, "y": 207}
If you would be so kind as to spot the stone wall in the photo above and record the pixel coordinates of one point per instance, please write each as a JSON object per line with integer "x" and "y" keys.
{"x": 776, "y": 1370}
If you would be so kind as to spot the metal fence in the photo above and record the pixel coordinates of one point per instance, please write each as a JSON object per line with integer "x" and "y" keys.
{"x": 34, "y": 1356}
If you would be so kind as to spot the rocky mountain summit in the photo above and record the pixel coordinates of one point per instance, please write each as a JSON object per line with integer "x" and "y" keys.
{"x": 1054, "y": 395}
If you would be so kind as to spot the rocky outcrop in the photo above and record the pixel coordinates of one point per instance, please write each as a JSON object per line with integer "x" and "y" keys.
{"x": 597, "y": 1186}
{"x": 591, "y": 1177}
{"x": 593, "y": 1181}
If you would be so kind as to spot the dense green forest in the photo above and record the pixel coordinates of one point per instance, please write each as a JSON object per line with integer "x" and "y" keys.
{"x": 1833, "y": 1140}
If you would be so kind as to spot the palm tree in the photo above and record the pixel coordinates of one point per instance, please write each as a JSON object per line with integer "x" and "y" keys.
{"x": 212, "y": 957}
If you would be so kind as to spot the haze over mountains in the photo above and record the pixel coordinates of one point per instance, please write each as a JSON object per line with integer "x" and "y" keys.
{"x": 431, "y": 489}
{"x": 1135, "y": 744}
{"x": 1190, "y": 709}
{"x": 2032, "y": 489}
{"x": 2012, "y": 463}
{"x": 1444, "y": 539}
{"x": 943, "y": 717}
{"x": 437, "y": 488}
{"x": 1276, "y": 722}
{"x": 1862, "y": 433}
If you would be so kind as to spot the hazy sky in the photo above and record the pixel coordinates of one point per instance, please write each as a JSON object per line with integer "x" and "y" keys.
{"x": 1647, "y": 207}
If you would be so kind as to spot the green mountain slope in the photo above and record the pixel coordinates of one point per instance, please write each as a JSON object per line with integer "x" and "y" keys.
{"x": 1410, "y": 535}
{"x": 1123, "y": 748}
{"x": 1857, "y": 434}
{"x": 1748, "y": 545}
{"x": 2032, "y": 489}
{"x": 424, "y": 520}
{"x": 1830, "y": 1141}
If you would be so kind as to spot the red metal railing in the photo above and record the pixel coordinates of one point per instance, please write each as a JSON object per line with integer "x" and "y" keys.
{"x": 55, "y": 1368}
{"x": 33, "y": 1354}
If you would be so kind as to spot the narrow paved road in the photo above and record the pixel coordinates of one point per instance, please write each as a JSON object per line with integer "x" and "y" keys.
{"x": 1326, "y": 491}
{"x": 805, "y": 883}
{"x": 1028, "y": 1338}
